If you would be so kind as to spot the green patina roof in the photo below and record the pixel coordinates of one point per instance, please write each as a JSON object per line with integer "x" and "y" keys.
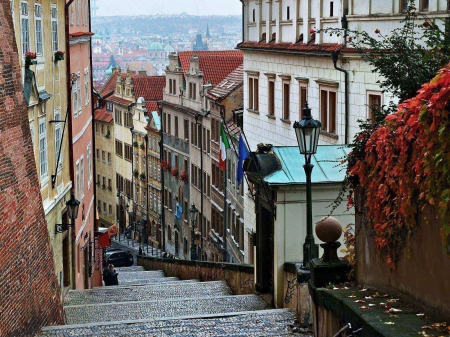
{"x": 326, "y": 161}
{"x": 156, "y": 120}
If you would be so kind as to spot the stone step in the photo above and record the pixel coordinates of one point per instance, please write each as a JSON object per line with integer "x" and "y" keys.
{"x": 130, "y": 275}
{"x": 129, "y": 269}
{"x": 131, "y": 311}
{"x": 254, "y": 323}
{"x": 141, "y": 281}
{"x": 148, "y": 292}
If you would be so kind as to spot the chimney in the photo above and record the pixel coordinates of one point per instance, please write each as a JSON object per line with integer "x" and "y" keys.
{"x": 142, "y": 73}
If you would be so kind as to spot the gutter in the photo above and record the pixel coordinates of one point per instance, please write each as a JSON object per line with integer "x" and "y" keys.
{"x": 243, "y": 20}
{"x": 293, "y": 52}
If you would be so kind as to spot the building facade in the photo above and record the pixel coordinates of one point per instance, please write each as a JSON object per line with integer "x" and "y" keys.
{"x": 82, "y": 139}
{"x": 288, "y": 63}
{"x": 39, "y": 30}
{"x": 188, "y": 155}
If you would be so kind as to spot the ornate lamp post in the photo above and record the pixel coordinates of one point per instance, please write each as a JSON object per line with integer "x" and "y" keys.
{"x": 307, "y": 131}
{"x": 72, "y": 212}
{"x": 193, "y": 212}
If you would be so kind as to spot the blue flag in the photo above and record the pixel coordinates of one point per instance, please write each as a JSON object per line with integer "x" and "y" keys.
{"x": 178, "y": 211}
{"x": 243, "y": 154}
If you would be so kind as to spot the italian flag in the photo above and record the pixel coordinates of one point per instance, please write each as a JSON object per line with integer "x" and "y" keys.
{"x": 224, "y": 145}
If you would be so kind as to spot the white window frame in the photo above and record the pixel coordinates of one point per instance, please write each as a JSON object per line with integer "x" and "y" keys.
{"x": 86, "y": 86}
{"x": 75, "y": 98}
{"x": 369, "y": 108}
{"x": 25, "y": 23}
{"x": 80, "y": 108}
{"x": 72, "y": 13}
{"x": 32, "y": 132}
{"x": 253, "y": 96}
{"x": 54, "y": 24}
{"x": 43, "y": 159}
{"x": 89, "y": 160}
{"x": 39, "y": 37}
{"x": 58, "y": 140}
{"x": 302, "y": 84}
{"x": 77, "y": 11}
{"x": 327, "y": 126}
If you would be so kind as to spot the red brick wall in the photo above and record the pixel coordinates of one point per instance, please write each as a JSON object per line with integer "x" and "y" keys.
{"x": 29, "y": 296}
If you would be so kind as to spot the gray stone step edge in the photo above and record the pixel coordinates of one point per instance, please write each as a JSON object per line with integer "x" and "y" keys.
{"x": 205, "y": 316}
{"x": 158, "y": 301}
{"x": 161, "y": 284}
{"x": 173, "y": 280}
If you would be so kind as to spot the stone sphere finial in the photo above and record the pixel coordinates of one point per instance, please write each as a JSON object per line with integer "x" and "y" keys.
{"x": 328, "y": 229}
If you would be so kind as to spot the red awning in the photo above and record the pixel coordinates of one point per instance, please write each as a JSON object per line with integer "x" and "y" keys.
{"x": 112, "y": 231}
{"x": 103, "y": 240}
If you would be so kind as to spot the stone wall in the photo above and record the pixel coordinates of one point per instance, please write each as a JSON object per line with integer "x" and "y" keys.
{"x": 423, "y": 272}
{"x": 29, "y": 296}
{"x": 240, "y": 277}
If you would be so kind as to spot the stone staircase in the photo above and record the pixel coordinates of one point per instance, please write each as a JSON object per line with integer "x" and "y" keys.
{"x": 146, "y": 303}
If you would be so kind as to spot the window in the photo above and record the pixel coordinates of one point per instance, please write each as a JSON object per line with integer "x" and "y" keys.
{"x": 104, "y": 208}
{"x": 253, "y": 88}
{"x": 43, "y": 149}
{"x": 186, "y": 130}
{"x": 176, "y": 126}
{"x": 303, "y": 96}
{"x": 77, "y": 11}
{"x": 288, "y": 13}
{"x": 403, "y": 6}
{"x": 86, "y": 86}
{"x": 128, "y": 152}
{"x": 331, "y": 9}
{"x": 79, "y": 173}
{"x": 169, "y": 124}
{"x": 89, "y": 160}
{"x": 192, "y": 90}
{"x": 119, "y": 148}
{"x": 109, "y": 158}
{"x": 128, "y": 119}
{"x": 103, "y": 156}
{"x": 254, "y": 15}
{"x": 374, "y": 104}
{"x": 109, "y": 183}
{"x": 75, "y": 97}
{"x": 71, "y": 13}
{"x": 271, "y": 97}
{"x": 38, "y": 28}
{"x": 79, "y": 93}
{"x": 286, "y": 100}
{"x": 54, "y": 14}
{"x": 58, "y": 135}
{"x": 328, "y": 110}
{"x": 110, "y": 210}
{"x": 98, "y": 154}
{"x": 117, "y": 116}
{"x": 25, "y": 27}
{"x": 424, "y": 5}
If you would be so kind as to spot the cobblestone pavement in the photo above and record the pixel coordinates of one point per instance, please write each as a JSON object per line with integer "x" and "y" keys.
{"x": 164, "y": 308}
{"x": 148, "y": 293}
{"x": 261, "y": 324}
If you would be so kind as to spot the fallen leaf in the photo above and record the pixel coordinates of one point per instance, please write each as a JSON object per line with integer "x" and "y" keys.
{"x": 371, "y": 305}
{"x": 420, "y": 314}
{"x": 352, "y": 296}
{"x": 363, "y": 307}
{"x": 393, "y": 300}
{"x": 426, "y": 327}
{"x": 360, "y": 301}
{"x": 382, "y": 303}
{"x": 364, "y": 289}
{"x": 368, "y": 298}
{"x": 389, "y": 323}
{"x": 395, "y": 311}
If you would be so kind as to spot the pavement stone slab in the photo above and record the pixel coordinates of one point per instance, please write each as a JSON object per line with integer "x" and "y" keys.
{"x": 138, "y": 281}
{"x": 259, "y": 324}
{"x": 148, "y": 292}
{"x": 129, "y": 269}
{"x": 164, "y": 308}
{"x": 125, "y": 276}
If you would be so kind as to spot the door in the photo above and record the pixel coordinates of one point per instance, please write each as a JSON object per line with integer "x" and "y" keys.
{"x": 264, "y": 249}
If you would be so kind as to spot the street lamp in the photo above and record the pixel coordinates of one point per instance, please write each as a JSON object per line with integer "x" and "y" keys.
{"x": 307, "y": 131}
{"x": 193, "y": 212}
{"x": 72, "y": 212}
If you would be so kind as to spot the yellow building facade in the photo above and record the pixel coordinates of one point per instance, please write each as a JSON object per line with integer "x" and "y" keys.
{"x": 40, "y": 36}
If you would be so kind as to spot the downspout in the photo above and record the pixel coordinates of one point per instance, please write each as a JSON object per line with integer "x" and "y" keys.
{"x": 335, "y": 58}
{"x": 243, "y": 20}
{"x": 69, "y": 93}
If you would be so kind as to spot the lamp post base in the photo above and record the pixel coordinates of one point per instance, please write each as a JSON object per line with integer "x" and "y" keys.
{"x": 310, "y": 251}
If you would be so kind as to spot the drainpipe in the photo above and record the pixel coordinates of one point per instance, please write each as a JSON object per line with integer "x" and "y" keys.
{"x": 161, "y": 157}
{"x": 243, "y": 20}
{"x": 335, "y": 58}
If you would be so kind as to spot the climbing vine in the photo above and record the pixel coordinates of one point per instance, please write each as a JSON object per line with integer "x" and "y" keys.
{"x": 406, "y": 167}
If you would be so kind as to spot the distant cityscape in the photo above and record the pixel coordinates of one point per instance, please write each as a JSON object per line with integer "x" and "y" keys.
{"x": 144, "y": 43}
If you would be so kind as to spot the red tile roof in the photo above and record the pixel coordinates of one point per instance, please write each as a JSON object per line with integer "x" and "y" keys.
{"x": 103, "y": 116}
{"x": 297, "y": 47}
{"x": 151, "y": 106}
{"x": 149, "y": 87}
{"x": 215, "y": 65}
{"x": 119, "y": 100}
{"x": 234, "y": 80}
{"x": 109, "y": 87}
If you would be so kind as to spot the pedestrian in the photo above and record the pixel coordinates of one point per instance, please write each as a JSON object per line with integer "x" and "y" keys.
{"x": 107, "y": 276}
{"x": 113, "y": 275}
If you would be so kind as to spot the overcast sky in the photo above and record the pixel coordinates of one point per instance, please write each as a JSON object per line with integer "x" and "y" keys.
{"x": 151, "y": 7}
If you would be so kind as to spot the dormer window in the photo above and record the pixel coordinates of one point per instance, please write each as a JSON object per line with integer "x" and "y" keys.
{"x": 128, "y": 91}
{"x": 192, "y": 91}
{"x": 118, "y": 89}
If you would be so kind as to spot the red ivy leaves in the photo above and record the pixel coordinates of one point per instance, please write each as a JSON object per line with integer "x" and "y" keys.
{"x": 407, "y": 166}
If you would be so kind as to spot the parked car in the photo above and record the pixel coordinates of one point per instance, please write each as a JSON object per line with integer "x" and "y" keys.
{"x": 119, "y": 258}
